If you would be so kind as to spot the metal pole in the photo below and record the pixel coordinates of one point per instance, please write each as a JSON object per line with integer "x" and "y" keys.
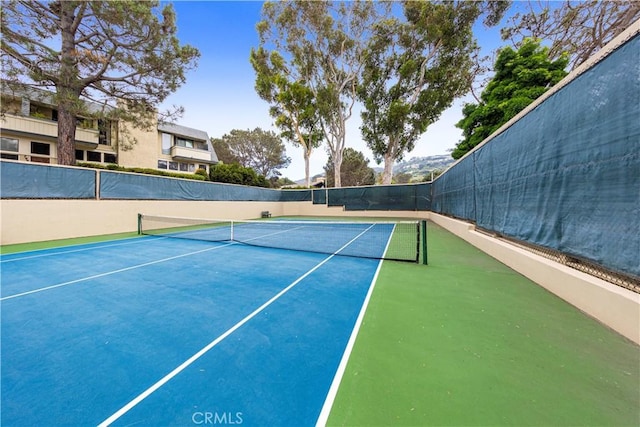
{"x": 423, "y": 226}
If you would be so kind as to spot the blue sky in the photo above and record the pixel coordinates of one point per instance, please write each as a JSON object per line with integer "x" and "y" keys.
{"x": 219, "y": 95}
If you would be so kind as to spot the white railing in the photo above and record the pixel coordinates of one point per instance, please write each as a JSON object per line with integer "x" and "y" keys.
{"x": 44, "y": 127}
{"x": 190, "y": 153}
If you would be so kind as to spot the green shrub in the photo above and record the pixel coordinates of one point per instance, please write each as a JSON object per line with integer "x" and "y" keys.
{"x": 203, "y": 173}
{"x": 235, "y": 174}
{"x": 145, "y": 171}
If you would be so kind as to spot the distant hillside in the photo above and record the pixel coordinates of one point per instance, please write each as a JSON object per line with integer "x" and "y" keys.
{"x": 314, "y": 180}
{"x": 418, "y": 167}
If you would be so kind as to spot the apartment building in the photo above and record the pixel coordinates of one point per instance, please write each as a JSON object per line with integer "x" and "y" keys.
{"x": 29, "y": 131}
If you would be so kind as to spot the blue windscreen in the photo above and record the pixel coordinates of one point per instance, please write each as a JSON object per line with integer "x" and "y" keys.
{"x": 38, "y": 181}
{"x": 118, "y": 185}
{"x": 566, "y": 175}
{"x": 382, "y": 197}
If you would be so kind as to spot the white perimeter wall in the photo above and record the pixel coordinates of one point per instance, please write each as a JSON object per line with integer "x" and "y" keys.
{"x": 40, "y": 220}
{"x": 29, "y": 220}
{"x": 616, "y": 307}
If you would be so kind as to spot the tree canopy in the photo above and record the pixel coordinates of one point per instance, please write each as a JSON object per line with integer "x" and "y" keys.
{"x": 292, "y": 102}
{"x": 262, "y": 151}
{"x": 520, "y": 77}
{"x": 319, "y": 46}
{"x": 354, "y": 171}
{"x": 121, "y": 54}
{"x": 575, "y": 28}
{"x": 237, "y": 174}
{"x": 402, "y": 178}
{"x": 413, "y": 70}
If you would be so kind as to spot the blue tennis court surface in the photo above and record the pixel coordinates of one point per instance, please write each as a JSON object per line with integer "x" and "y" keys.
{"x": 162, "y": 331}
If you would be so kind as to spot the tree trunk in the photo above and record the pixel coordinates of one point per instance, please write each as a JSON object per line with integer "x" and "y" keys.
{"x": 66, "y": 137}
{"x": 68, "y": 95}
{"x": 337, "y": 165}
{"x": 387, "y": 174}
{"x": 307, "y": 178}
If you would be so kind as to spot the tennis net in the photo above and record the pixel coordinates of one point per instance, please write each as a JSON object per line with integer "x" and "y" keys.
{"x": 398, "y": 241}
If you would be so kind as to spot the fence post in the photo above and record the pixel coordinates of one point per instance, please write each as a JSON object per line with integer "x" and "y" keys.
{"x": 423, "y": 238}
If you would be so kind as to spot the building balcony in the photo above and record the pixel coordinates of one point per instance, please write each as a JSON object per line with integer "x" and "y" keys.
{"x": 45, "y": 128}
{"x": 184, "y": 153}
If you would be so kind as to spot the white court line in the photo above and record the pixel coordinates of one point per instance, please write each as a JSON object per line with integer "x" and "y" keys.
{"x": 108, "y": 273}
{"x": 137, "y": 266}
{"x": 126, "y": 408}
{"x": 96, "y": 246}
{"x": 337, "y": 379}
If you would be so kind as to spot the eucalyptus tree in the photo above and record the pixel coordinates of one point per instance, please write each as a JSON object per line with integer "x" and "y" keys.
{"x": 292, "y": 102}
{"x": 121, "y": 54}
{"x": 320, "y": 45}
{"x": 414, "y": 68}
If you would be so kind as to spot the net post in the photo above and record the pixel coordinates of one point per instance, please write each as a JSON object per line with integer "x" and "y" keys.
{"x": 139, "y": 224}
{"x": 423, "y": 239}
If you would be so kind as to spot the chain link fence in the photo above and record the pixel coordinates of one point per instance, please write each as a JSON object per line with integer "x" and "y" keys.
{"x": 588, "y": 267}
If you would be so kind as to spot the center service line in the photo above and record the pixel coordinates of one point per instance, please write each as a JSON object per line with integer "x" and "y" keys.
{"x": 126, "y": 408}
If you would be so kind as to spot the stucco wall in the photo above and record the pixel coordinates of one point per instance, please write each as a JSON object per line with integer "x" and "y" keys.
{"x": 309, "y": 209}
{"x": 40, "y": 220}
{"x": 143, "y": 154}
{"x": 616, "y": 307}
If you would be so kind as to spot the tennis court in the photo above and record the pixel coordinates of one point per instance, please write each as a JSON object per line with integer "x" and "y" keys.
{"x": 165, "y": 331}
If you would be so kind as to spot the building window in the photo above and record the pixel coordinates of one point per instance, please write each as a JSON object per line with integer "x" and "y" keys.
{"x": 162, "y": 164}
{"x": 85, "y": 123}
{"x": 182, "y": 142}
{"x": 79, "y": 154}
{"x": 39, "y": 112}
{"x": 8, "y": 156}
{"x": 202, "y": 167}
{"x": 94, "y": 156}
{"x": 192, "y": 167}
{"x": 173, "y": 166}
{"x": 184, "y": 167}
{"x": 167, "y": 142}
{"x": 10, "y": 144}
{"x": 40, "y": 148}
{"x": 110, "y": 158}
{"x": 202, "y": 146}
{"x": 104, "y": 132}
